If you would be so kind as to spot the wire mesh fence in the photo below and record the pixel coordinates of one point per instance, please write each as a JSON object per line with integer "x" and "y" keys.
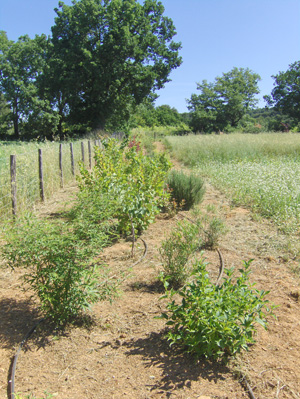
{"x": 33, "y": 172}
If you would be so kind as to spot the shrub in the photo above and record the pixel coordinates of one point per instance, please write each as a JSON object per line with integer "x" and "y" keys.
{"x": 58, "y": 266}
{"x": 188, "y": 237}
{"x": 215, "y": 321}
{"x": 210, "y": 227}
{"x": 187, "y": 189}
{"x": 175, "y": 252}
{"x": 133, "y": 182}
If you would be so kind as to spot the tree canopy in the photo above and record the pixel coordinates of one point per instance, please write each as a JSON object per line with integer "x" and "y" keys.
{"x": 223, "y": 102}
{"x": 104, "y": 57}
{"x": 285, "y": 96}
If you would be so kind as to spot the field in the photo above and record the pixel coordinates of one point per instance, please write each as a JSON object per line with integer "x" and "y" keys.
{"x": 258, "y": 171}
{"x": 123, "y": 351}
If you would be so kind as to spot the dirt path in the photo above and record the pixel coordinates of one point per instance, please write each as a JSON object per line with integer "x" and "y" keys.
{"x": 124, "y": 353}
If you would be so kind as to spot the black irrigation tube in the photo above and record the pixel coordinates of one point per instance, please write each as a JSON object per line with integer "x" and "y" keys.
{"x": 144, "y": 254}
{"x": 11, "y": 381}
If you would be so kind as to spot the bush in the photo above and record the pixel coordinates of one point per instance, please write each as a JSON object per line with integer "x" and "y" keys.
{"x": 175, "y": 252}
{"x": 58, "y": 266}
{"x": 187, "y": 189}
{"x": 133, "y": 182}
{"x": 187, "y": 238}
{"x": 212, "y": 320}
{"x": 210, "y": 227}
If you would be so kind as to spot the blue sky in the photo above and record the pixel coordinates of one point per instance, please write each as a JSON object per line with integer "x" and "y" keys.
{"x": 216, "y": 35}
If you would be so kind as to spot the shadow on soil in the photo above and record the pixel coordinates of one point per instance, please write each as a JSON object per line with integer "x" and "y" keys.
{"x": 178, "y": 368}
{"x": 17, "y": 318}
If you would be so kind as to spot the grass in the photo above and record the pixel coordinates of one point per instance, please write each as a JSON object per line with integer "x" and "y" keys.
{"x": 259, "y": 171}
{"x": 27, "y": 173}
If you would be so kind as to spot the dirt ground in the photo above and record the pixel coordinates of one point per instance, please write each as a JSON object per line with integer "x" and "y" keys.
{"x": 123, "y": 352}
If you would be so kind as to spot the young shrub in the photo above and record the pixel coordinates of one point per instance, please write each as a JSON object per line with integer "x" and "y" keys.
{"x": 175, "y": 253}
{"x": 58, "y": 266}
{"x": 210, "y": 226}
{"x": 133, "y": 181}
{"x": 216, "y": 320}
{"x": 186, "y": 189}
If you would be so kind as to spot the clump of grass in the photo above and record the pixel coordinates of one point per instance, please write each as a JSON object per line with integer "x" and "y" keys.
{"x": 185, "y": 189}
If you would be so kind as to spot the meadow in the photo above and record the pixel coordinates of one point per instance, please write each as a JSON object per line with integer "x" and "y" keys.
{"x": 27, "y": 171}
{"x": 257, "y": 171}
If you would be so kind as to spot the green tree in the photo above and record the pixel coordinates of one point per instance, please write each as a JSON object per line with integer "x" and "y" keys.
{"x": 21, "y": 68}
{"x": 168, "y": 116}
{"x": 107, "y": 56}
{"x": 224, "y": 102}
{"x": 285, "y": 96}
{"x": 4, "y": 116}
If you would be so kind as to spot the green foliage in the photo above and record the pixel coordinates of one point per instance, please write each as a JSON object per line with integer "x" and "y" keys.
{"x": 21, "y": 66}
{"x": 146, "y": 115}
{"x": 133, "y": 182}
{"x": 285, "y": 95}
{"x": 189, "y": 236}
{"x": 186, "y": 189}
{"x": 176, "y": 251}
{"x": 121, "y": 53}
{"x": 224, "y": 102}
{"x": 210, "y": 228}
{"x": 58, "y": 263}
{"x": 216, "y": 321}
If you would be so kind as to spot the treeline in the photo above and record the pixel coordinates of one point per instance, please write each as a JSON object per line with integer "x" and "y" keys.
{"x": 101, "y": 68}
{"x": 103, "y": 58}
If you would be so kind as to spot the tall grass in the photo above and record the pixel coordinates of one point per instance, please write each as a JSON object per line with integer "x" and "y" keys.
{"x": 260, "y": 171}
{"x": 194, "y": 149}
{"x": 27, "y": 173}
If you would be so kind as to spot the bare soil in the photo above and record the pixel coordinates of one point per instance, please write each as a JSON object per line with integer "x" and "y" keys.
{"x": 122, "y": 352}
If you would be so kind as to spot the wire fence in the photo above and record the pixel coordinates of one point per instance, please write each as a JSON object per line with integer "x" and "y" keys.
{"x": 33, "y": 172}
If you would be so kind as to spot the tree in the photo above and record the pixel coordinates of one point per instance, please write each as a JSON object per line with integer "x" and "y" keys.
{"x": 21, "y": 67}
{"x": 285, "y": 96}
{"x": 107, "y": 56}
{"x": 224, "y": 102}
{"x": 167, "y": 116}
{"x": 4, "y": 116}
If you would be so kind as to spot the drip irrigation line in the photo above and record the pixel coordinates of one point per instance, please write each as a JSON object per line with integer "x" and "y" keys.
{"x": 11, "y": 387}
{"x": 247, "y": 387}
{"x": 222, "y": 265}
{"x": 144, "y": 254}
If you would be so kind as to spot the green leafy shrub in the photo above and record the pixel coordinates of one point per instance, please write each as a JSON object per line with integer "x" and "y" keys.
{"x": 134, "y": 183}
{"x": 175, "y": 253}
{"x": 58, "y": 266}
{"x": 186, "y": 188}
{"x": 215, "y": 321}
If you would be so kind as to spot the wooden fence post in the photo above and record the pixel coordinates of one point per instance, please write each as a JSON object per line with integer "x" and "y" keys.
{"x": 61, "y": 167}
{"x": 82, "y": 151}
{"x": 72, "y": 159}
{"x": 13, "y": 181}
{"x": 90, "y": 154}
{"x": 41, "y": 177}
